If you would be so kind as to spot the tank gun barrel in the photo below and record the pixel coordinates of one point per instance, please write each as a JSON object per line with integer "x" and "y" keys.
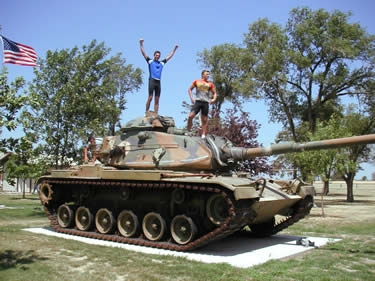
{"x": 241, "y": 154}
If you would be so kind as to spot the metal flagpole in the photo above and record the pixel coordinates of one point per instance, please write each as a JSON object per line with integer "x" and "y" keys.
{"x": 2, "y": 44}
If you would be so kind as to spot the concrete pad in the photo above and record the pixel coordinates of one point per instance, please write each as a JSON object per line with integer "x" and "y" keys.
{"x": 13, "y": 208}
{"x": 238, "y": 251}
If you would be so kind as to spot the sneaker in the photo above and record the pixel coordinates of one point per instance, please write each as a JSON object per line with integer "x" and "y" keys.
{"x": 203, "y": 136}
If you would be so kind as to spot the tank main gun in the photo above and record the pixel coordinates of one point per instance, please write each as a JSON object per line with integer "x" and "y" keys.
{"x": 242, "y": 154}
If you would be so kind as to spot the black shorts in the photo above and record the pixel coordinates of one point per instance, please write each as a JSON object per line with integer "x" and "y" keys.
{"x": 154, "y": 86}
{"x": 201, "y": 106}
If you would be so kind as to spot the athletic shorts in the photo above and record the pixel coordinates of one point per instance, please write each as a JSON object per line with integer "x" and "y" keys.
{"x": 201, "y": 106}
{"x": 154, "y": 87}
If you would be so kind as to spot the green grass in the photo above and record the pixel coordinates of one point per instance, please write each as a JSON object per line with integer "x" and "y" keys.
{"x": 29, "y": 256}
{"x": 322, "y": 229}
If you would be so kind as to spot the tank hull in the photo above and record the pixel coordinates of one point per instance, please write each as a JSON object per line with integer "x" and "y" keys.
{"x": 165, "y": 209}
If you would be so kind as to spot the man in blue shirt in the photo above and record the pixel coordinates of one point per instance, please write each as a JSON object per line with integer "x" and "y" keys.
{"x": 155, "y": 68}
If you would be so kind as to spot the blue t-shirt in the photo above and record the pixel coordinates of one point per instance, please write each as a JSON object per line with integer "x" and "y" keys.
{"x": 155, "y": 68}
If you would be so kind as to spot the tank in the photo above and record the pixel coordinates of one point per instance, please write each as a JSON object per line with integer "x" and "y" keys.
{"x": 155, "y": 186}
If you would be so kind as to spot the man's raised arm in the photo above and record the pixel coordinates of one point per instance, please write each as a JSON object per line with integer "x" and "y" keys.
{"x": 142, "y": 49}
{"x": 172, "y": 53}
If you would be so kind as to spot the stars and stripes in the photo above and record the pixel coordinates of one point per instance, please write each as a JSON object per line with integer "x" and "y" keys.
{"x": 17, "y": 53}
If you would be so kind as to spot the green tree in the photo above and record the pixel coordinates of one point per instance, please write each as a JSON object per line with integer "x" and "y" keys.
{"x": 10, "y": 104}
{"x": 348, "y": 163}
{"x": 224, "y": 62}
{"x": 25, "y": 163}
{"x": 320, "y": 163}
{"x": 320, "y": 58}
{"x": 344, "y": 161}
{"x": 301, "y": 70}
{"x": 76, "y": 93}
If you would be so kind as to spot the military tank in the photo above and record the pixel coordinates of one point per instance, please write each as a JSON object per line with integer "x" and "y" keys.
{"x": 156, "y": 186}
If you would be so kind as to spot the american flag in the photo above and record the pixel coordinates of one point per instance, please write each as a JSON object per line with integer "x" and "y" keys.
{"x": 17, "y": 53}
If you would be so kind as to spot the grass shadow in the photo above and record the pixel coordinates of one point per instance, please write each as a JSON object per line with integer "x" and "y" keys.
{"x": 26, "y": 198}
{"x": 12, "y": 259}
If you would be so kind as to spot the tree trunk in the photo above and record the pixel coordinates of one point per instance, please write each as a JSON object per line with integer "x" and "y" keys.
{"x": 349, "y": 178}
{"x": 325, "y": 190}
{"x": 30, "y": 185}
{"x": 322, "y": 201}
{"x": 24, "y": 189}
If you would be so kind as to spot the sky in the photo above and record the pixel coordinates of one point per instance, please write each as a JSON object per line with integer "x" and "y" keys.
{"x": 192, "y": 25}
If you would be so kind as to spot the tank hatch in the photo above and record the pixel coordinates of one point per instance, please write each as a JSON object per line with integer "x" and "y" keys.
{"x": 150, "y": 122}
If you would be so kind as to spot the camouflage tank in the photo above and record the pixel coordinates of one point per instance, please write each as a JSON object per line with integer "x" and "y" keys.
{"x": 157, "y": 187}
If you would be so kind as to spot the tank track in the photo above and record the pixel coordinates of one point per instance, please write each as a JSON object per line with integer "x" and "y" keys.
{"x": 301, "y": 211}
{"x": 238, "y": 216}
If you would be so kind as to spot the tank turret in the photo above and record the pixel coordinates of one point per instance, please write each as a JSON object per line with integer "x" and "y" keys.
{"x": 155, "y": 186}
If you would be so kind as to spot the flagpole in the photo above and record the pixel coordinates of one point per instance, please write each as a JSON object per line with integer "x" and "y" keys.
{"x": 1, "y": 37}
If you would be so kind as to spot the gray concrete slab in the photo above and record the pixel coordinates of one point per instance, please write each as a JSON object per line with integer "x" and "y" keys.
{"x": 238, "y": 251}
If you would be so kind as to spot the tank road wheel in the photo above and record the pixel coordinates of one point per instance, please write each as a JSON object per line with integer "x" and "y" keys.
{"x": 65, "y": 216}
{"x": 178, "y": 196}
{"x": 84, "y": 218}
{"x": 217, "y": 209}
{"x": 153, "y": 226}
{"x": 104, "y": 221}
{"x": 183, "y": 229}
{"x": 125, "y": 193}
{"x": 127, "y": 223}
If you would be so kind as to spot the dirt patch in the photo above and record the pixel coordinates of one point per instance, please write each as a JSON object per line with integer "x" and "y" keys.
{"x": 336, "y": 208}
